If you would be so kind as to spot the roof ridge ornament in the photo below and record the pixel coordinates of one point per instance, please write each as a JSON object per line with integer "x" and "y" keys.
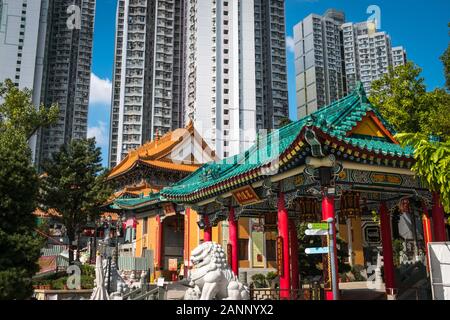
{"x": 361, "y": 92}
{"x": 316, "y": 146}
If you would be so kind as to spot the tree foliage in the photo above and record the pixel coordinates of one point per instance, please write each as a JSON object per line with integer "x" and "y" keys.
{"x": 432, "y": 163}
{"x": 402, "y": 99}
{"x": 398, "y": 96}
{"x": 19, "y": 245}
{"x": 18, "y": 112}
{"x": 74, "y": 184}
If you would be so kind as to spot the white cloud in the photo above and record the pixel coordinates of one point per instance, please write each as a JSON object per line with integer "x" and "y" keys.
{"x": 100, "y": 92}
{"x": 99, "y": 132}
{"x": 290, "y": 44}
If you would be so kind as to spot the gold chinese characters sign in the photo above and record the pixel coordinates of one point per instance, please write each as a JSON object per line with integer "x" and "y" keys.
{"x": 280, "y": 256}
{"x": 349, "y": 205}
{"x": 245, "y": 195}
{"x": 308, "y": 209}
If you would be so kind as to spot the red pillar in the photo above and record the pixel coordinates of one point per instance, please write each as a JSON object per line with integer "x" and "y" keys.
{"x": 438, "y": 219}
{"x": 294, "y": 255}
{"x": 388, "y": 257}
{"x": 207, "y": 233}
{"x": 159, "y": 242}
{"x": 233, "y": 237}
{"x": 283, "y": 232}
{"x": 328, "y": 212}
{"x": 427, "y": 233}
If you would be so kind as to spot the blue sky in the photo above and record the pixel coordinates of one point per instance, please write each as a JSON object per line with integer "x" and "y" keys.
{"x": 419, "y": 26}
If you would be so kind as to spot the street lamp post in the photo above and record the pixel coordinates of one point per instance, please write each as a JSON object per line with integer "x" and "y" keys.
{"x": 334, "y": 284}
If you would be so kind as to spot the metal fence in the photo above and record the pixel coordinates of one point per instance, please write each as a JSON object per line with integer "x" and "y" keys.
{"x": 146, "y": 292}
{"x": 134, "y": 264}
{"x": 52, "y": 251}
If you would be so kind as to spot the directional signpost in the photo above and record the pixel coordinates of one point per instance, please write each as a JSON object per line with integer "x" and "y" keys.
{"x": 319, "y": 250}
{"x": 320, "y": 226}
{"x": 316, "y": 232}
{"x": 324, "y": 229}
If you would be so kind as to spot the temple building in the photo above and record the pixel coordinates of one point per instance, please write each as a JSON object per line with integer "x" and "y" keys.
{"x": 341, "y": 162}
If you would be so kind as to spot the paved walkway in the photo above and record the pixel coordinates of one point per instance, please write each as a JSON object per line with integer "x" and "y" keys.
{"x": 360, "y": 291}
{"x": 349, "y": 291}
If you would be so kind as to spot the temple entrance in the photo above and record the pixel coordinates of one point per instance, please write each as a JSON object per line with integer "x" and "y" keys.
{"x": 173, "y": 240}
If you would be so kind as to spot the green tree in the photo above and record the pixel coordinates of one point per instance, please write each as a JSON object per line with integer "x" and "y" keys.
{"x": 18, "y": 112}
{"x": 432, "y": 163}
{"x": 402, "y": 99}
{"x": 19, "y": 245}
{"x": 398, "y": 95}
{"x": 74, "y": 184}
{"x": 436, "y": 120}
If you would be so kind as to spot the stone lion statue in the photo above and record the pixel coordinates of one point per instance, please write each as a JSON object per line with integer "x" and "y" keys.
{"x": 211, "y": 277}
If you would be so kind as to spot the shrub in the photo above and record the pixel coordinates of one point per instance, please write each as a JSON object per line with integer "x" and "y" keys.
{"x": 259, "y": 280}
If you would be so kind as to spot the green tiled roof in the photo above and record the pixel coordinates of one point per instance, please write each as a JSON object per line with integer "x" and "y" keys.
{"x": 334, "y": 121}
{"x": 127, "y": 203}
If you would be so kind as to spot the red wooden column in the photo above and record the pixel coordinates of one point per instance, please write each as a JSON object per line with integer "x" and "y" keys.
{"x": 283, "y": 233}
{"x": 159, "y": 241}
{"x": 207, "y": 233}
{"x": 438, "y": 219}
{"x": 328, "y": 212}
{"x": 294, "y": 255}
{"x": 233, "y": 237}
{"x": 427, "y": 233}
{"x": 388, "y": 257}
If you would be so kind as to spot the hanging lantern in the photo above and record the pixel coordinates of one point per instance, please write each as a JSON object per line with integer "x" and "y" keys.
{"x": 349, "y": 205}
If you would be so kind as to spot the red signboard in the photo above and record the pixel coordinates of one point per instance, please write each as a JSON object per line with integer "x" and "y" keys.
{"x": 280, "y": 256}
{"x": 245, "y": 195}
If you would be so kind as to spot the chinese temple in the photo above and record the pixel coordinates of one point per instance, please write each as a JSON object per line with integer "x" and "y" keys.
{"x": 341, "y": 162}
{"x": 140, "y": 176}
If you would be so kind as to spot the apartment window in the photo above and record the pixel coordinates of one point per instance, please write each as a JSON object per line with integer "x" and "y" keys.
{"x": 225, "y": 101}
{"x": 243, "y": 248}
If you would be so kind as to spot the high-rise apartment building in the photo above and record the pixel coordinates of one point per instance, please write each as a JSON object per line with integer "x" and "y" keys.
{"x": 332, "y": 55}
{"x": 148, "y": 79}
{"x": 68, "y": 60}
{"x": 49, "y": 53}
{"x": 221, "y": 63}
{"x": 368, "y": 53}
{"x": 236, "y": 77}
{"x": 23, "y": 29}
{"x": 318, "y": 61}
{"x": 398, "y": 56}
